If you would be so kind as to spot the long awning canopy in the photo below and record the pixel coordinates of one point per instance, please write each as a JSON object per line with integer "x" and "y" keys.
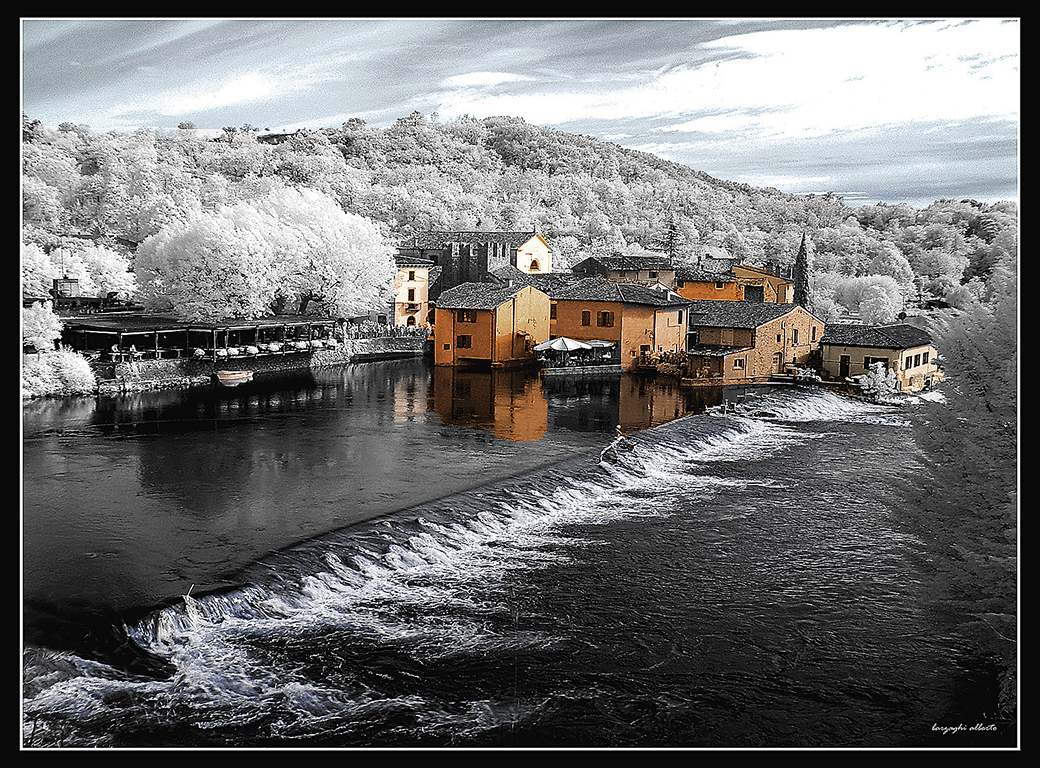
{"x": 128, "y": 324}
{"x": 99, "y": 332}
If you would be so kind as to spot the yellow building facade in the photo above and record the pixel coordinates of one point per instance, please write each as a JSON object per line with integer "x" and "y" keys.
{"x": 412, "y": 293}
{"x": 485, "y": 324}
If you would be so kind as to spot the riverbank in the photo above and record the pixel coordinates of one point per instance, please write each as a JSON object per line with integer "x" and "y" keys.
{"x": 184, "y": 373}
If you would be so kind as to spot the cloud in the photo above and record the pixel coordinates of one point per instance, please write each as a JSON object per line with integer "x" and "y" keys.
{"x": 788, "y": 82}
{"x": 482, "y": 80}
{"x": 241, "y": 89}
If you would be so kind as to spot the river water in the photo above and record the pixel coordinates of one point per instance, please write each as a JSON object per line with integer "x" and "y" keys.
{"x": 391, "y": 555}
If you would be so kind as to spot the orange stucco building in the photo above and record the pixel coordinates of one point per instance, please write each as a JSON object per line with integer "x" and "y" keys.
{"x": 741, "y": 282}
{"x": 696, "y": 284}
{"x": 637, "y": 318}
{"x": 489, "y": 324}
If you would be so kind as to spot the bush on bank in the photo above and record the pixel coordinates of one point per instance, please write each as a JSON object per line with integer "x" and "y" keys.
{"x": 58, "y": 373}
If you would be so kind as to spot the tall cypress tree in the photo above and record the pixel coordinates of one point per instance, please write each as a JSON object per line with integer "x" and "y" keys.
{"x": 802, "y": 270}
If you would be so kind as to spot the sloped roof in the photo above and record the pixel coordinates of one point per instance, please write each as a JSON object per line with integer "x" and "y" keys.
{"x": 439, "y": 239}
{"x": 149, "y": 323}
{"x": 477, "y": 296}
{"x": 621, "y": 261}
{"x": 736, "y": 314}
{"x": 689, "y": 273}
{"x": 599, "y": 289}
{"x": 716, "y": 266}
{"x": 901, "y": 336}
{"x": 546, "y": 282}
{"x": 412, "y": 261}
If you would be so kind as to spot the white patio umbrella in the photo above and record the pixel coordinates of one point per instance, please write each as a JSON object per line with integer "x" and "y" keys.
{"x": 562, "y": 344}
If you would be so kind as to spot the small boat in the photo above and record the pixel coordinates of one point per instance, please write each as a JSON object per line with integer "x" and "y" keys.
{"x": 234, "y": 378}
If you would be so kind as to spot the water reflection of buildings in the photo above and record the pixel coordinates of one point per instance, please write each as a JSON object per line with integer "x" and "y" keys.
{"x": 602, "y": 403}
{"x": 508, "y": 402}
{"x": 649, "y": 402}
{"x": 518, "y": 405}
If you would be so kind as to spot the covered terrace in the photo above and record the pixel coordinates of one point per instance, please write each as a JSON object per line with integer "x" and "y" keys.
{"x": 127, "y": 337}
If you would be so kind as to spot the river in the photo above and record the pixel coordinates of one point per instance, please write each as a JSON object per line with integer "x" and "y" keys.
{"x": 392, "y": 555}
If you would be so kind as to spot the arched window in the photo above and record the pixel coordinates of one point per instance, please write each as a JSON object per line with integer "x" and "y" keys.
{"x": 534, "y": 265}
{"x": 411, "y": 320}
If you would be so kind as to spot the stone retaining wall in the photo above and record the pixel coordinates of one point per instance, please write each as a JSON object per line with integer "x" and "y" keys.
{"x": 177, "y": 374}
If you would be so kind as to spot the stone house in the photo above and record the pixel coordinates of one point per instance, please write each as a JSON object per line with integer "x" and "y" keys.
{"x": 848, "y": 351}
{"x": 622, "y": 268}
{"x": 764, "y": 284}
{"x": 733, "y": 342}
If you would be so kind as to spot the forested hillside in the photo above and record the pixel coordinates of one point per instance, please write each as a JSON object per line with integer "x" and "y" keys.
{"x": 101, "y": 197}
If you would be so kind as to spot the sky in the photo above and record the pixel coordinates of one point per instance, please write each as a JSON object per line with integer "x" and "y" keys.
{"x": 877, "y": 110}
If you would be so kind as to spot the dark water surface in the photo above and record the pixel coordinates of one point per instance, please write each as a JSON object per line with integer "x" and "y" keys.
{"x": 395, "y": 556}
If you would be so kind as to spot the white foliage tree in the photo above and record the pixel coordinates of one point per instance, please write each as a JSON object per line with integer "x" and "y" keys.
{"x": 879, "y": 383}
{"x": 211, "y": 267}
{"x": 38, "y": 271}
{"x": 40, "y": 326}
{"x": 243, "y": 260}
{"x": 106, "y": 271}
{"x": 328, "y": 255}
{"x": 877, "y": 307}
{"x": 878, "y": 296}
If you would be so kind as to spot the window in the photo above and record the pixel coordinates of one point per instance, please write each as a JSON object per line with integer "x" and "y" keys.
{"x": 411, "y": 275}
{"x": 719, "y": 286}
{"x": 779, "y": 338}
{"x": 468, "y": 316}
{"x": 552, "y": 311}
{"x": 814, "y": 333}
{"x": 411, "y": 294}
{"x": 924, "y": 358}
{"x": 795, "y": 336}
{"x": 534, "y": 265}
{"x": 603, "y": 319}
{"x": 738, "y": 363}
{"x": 464, "y": 342}
{"x": 653, "y": 275}
{"x": 586, "y": 317}
{"x": 917, "y": 360}
{"x": 680, "y": 317}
